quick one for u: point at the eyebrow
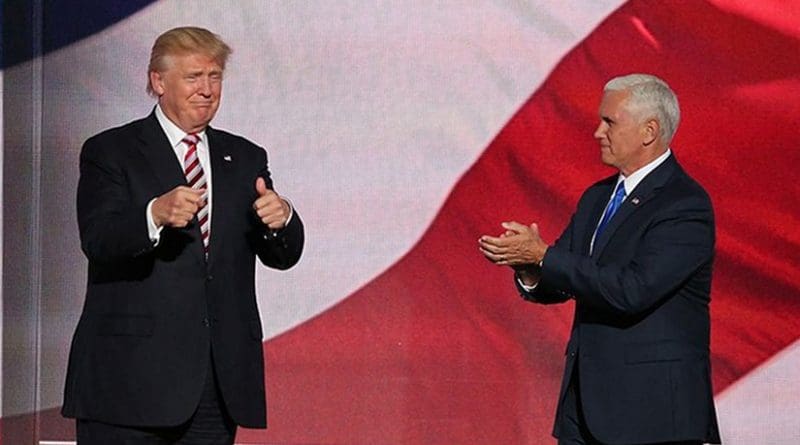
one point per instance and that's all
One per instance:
(202, 71)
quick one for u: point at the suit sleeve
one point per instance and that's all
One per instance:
(279, 249)
(675, 245)
(111, 228)
(544, 292)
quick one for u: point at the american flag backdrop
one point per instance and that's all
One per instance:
(402, 131)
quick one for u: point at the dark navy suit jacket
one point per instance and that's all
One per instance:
(640, 337)
(154, 315)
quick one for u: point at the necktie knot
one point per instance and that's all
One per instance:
(191, 139)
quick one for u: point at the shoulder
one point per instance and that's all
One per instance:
(684, 190)
(115, 140)
(234, 142)
(124, 131)
(603, 184)
(231, 140)
(598, 190)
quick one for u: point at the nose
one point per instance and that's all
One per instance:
(204, 87)
(600, 132)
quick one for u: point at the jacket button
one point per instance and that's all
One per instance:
(209, 277)
(206, 322)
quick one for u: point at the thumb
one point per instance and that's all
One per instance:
(261, 186)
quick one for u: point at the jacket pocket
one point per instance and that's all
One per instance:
(130, 325)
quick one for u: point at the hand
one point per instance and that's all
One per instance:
(177, 207)
(272, 210)
(520, 246)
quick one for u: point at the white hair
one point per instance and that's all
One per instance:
(650, 97)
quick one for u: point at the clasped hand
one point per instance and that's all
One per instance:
(177, 207)
(518, 246)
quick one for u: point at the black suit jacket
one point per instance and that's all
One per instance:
(154, 315)
(640, 337)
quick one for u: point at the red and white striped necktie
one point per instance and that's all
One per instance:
(197, 180)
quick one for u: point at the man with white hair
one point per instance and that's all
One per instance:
(637, 258)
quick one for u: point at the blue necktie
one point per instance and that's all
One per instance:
(613, 206)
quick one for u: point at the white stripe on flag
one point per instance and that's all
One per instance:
(763, 405)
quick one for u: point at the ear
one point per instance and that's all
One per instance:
(157, 82)
(650, 132)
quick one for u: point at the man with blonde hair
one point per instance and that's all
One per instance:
(636, 258)
(172, 214)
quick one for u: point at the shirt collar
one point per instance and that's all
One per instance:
(636, 177)
(173, 132)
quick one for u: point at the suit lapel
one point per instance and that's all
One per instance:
(593, 218)
(222, 177)
(160, 155)
(647, 189)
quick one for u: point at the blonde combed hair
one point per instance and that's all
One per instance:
(182, 41)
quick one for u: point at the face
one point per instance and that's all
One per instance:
(189, 90)
(623, 140)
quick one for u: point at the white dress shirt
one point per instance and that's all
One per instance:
(175, 136)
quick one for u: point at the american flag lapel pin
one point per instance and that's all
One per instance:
(636, 201)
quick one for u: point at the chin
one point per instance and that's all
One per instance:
(203, 119)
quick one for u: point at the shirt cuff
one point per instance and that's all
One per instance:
(153, 231)
(526, 287)
(291, 209)
(273, 233)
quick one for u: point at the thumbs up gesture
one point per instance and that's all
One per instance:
(272, 210)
